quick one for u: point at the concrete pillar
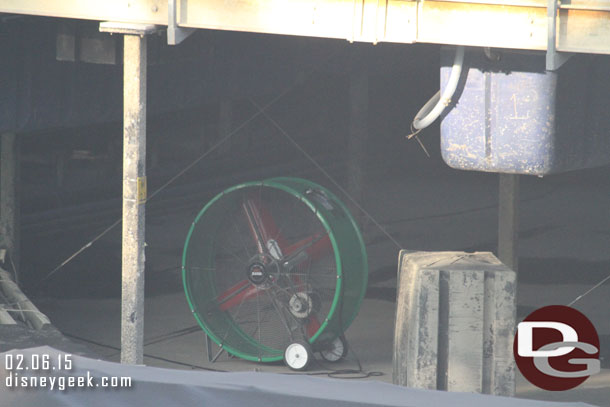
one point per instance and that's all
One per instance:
(358, 126)
(134, 185)
(508, 220)
(9, 198)
(455, 321)
(134, 198)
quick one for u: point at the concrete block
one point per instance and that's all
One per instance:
(455, 320)
(461, 299)
(415, 354)
(500, 310)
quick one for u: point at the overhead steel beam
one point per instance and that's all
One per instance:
(134, 11)
(582, 26)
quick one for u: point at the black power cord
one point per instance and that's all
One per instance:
(103, 345)
(358, 373)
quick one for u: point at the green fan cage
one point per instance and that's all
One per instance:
(271, 262)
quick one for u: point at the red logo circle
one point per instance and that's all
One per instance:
(556, 348)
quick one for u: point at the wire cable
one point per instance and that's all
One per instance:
(348, 374)
(215, 146)
(327, 175)
(581, 296)
(103, 345)
(334, 373)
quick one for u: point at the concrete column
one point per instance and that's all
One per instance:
(134, 198)
(455, 321)
(9, 198)
(508, 220)
(358, 125)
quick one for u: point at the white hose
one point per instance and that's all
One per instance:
(427, 114)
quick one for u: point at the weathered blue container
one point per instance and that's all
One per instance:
(512, 116)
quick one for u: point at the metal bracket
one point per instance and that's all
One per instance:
(208, 348)
(554, 58)
(175, 34)
(113, 27)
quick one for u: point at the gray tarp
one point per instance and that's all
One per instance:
(167, 387)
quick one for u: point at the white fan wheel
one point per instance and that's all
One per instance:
(297, 355)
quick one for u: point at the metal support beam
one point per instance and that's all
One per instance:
(175, 34)
(134, 186)
(508, 220)
(134, 198)
(9, 198)
(113, 27)
(554, 58)
(583, 26)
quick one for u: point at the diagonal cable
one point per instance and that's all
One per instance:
(261, 111)
(331, 179)
(581, 296)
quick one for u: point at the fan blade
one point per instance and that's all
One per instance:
(314, 246)
(308, 249)
(237, 294)
(254, 228)
(262, 225)
(312, 326)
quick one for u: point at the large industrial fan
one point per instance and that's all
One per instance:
(274, 270)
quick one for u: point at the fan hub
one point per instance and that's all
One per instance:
(257, 273)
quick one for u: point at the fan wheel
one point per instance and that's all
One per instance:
(298, 355)
(335, 350)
